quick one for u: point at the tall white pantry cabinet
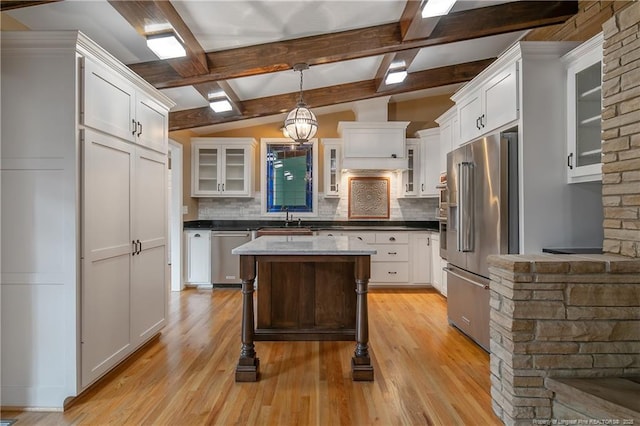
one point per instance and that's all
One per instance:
(84, 230)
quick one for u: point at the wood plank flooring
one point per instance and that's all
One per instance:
(426, 373)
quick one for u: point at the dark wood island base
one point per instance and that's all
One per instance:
(310, 304)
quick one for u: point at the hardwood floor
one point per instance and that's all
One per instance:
(426, 373)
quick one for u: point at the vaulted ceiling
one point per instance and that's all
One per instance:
(248, 48)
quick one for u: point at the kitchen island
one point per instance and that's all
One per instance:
(310, 288)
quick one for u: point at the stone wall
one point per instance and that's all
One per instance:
(559, 316)
(621, 133)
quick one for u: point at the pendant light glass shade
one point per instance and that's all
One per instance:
(301, 124)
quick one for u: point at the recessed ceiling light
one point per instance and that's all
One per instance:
(394, 77)
(437, 8)
(166, 46)
(222, 105)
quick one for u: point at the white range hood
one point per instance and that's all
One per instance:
(372, 142)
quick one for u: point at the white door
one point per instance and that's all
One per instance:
(149, 221)
(151, 126)
(108, 102)
(106, 253)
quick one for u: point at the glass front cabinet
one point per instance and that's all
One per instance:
(332, 166)
(222, 167)
(584, 111)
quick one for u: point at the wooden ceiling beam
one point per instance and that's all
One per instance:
(149, 16)
(206, 89)
(325, 96)
(412, 25)
(364, 42)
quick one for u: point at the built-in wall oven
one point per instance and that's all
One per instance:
(443, 239)
(443, 207)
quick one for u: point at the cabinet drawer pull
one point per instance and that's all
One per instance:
(134, 246)
(133, 126)
(392, 272)
(570, 161)
(482, 120)
(392, 252)
(392, 238)
(197, 235)
(466, 320)
(139, 128)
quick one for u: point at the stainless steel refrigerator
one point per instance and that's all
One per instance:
(482, 183)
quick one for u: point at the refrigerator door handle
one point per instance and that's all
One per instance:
(465, 207)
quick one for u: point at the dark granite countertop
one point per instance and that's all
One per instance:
(378, 225)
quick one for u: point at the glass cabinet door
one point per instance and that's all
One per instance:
(588, 115)
(207, 180)
(584, 111)
(332, 169)
(234, 170)
(410, 176)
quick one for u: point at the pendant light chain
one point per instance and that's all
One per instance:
(301, 124)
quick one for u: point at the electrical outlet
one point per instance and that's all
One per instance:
(185, 209)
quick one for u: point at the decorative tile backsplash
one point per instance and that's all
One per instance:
(328, 208)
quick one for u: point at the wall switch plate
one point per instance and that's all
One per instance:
(185, 209)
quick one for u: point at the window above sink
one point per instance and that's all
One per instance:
(288, 178)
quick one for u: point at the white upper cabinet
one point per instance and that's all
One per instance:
(488, 103)
(332, 166)
(222, 167)
(584, 111)
(410, 177)
(448, 123)
(429, 162)
(373, 145)
(113, 105)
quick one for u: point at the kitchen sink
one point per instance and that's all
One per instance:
(284, 230)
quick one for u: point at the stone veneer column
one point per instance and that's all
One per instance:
(559, 316)
(621, 133)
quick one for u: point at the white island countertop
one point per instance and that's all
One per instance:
(304, 245)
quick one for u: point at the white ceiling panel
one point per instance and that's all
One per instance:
(315, 77)
(463, 51)
(222, 25)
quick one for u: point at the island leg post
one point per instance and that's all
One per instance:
(248, 366)
(361, 368)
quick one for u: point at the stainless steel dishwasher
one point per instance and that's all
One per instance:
(225, 267)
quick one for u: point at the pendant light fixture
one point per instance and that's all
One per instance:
(301, 124)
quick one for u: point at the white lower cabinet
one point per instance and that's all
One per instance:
(402, 258)
(438, 277)
(198, 256)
